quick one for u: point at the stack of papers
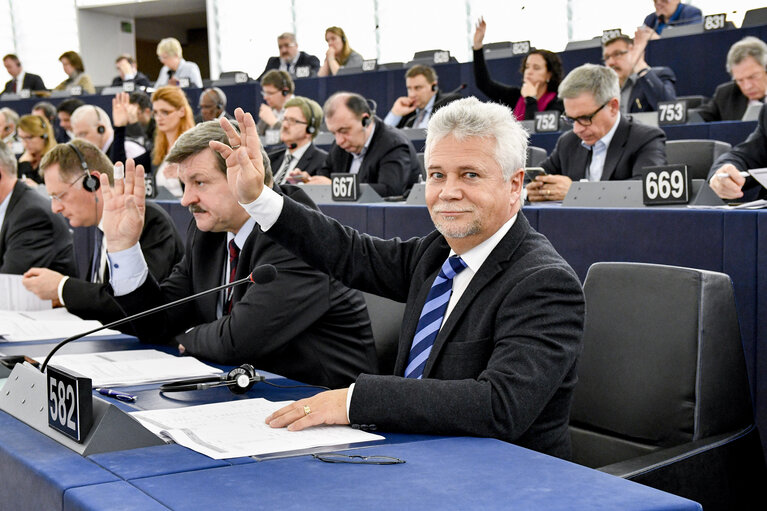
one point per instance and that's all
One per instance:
(40, 325)
(237, 428)
(131, 367)
(15, 297)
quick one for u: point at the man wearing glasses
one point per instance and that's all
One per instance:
(642, 86)
(64, 170)
(30, 235)
(300, 159)
(603, 144)
(276, 88)
(298, 63)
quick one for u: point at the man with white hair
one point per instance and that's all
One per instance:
(92, 123)
(604, 144)
(494, 319)
(747, 64)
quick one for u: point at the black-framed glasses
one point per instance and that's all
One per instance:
(583, 120)
(331, 457)
(614, 55)
(290, 121)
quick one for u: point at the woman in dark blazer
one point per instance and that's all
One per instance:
(541, 71)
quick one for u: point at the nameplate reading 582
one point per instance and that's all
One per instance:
(70, 404)
(669, 184)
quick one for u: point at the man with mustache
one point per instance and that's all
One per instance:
(302, 325)
(88, 296)
(494, 318)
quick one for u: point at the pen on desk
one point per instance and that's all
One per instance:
(120, 396)
(725, 175)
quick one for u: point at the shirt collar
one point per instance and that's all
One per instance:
(4, 208)
(475, 257)
(108, 143)
(299, 151)
(242, 234)
(367, 142)
(430, 105)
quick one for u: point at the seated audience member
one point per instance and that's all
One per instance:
(541, 73)
(64, 113)
(672, 13)
(75, 71)
(47, 110)
(174, 116)
(423, 99)
(604, 145)
(30, 234)
(212, 105)
(725, 178)
(141, 124)
(8, 122)
(300, 158)
(36, 134)
(642, 86)
(339, 53)
(494, 356)
(20, 80)
(302, 325)
(746, 63)
(380, 155)
(297, 63)
(277, 88)
(175, 69)
(128, 72)
(92, 123)
(88, 294)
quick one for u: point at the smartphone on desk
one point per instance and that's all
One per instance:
(532, 172)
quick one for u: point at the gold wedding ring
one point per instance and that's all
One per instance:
(307, 410)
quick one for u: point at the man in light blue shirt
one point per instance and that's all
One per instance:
(423, 99)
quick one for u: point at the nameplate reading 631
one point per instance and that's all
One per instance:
(70, 404)
(344, 187)
(667, 184)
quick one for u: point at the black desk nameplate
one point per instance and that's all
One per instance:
(344, 186)
(70, 403)
(666, 184)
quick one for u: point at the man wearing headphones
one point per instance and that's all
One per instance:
(212, 105)
(92, 123)
(422, 100)
(71, 172)
(30, 235)
(277, 88)
(379, 154)
(300, 158)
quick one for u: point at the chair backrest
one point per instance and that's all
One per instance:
(662, 362)
(698, 155)
(535, 156)
(386, 320)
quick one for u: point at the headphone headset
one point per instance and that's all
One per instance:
(90, 183)
(285, 85)
(44, 128)
(311, 128)
(365, 120)
(434, 87)
(239, 380)
(100, 128)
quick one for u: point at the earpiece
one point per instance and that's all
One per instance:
(100, 129)
(310, 128)
(239, 380)
(434, 87)
(90, 182)
(365, 120)
(44, 128)
(285, 85)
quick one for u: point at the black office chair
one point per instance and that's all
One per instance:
(694, 101)
(663, 396)
(535, 156)
(698, 155)
(420, 157)
(755, 17)
(386, 320)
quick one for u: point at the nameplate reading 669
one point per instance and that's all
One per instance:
(70, 404)
(668, 184)
(344, 187)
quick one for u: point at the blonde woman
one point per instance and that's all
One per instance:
(339, 53)
(36, 133)
(174, 67)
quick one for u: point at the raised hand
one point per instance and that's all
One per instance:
(120, 105)
(244, 164)
(124, 207)
(479, 33)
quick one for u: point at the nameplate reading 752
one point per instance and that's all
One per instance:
(546, 121)
(344, 187)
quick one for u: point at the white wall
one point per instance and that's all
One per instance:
(101, 41)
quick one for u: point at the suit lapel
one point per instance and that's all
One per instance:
(616, 149)
(209, 270)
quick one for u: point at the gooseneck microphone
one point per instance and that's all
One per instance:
(260, 275)
(458, 89)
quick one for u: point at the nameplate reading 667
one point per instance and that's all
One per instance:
(70, 404)
(344, 187)
(669, 184)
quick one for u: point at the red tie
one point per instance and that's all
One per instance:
(15, 87)
(234, 256)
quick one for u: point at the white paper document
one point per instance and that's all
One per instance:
(236, 428)
(17, 326)
(132, 367)
(15, 297)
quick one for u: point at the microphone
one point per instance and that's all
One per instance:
(171, 72)
(292, 146)
(260, 275)
(458, 89)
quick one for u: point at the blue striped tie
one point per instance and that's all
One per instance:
(431, 316)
